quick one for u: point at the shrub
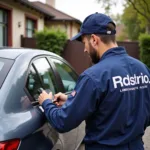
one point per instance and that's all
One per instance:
(51, 40)
(145, 49)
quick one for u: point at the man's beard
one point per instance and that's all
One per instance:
(93, 54)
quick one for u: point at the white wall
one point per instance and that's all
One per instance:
(18, 15)
(76, 29)
(70, 28)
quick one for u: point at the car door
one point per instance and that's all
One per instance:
(68, 77)
(41, 75)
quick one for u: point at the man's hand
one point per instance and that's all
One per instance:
(43, 96)
(60, 99)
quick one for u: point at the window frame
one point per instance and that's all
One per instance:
(9, 24)
(34, 19)
(57, 73)
(33, 101)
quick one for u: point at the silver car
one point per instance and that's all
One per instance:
(23, 125)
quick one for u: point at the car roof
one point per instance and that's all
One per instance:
(13, 53)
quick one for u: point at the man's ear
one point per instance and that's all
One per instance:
(94, 40)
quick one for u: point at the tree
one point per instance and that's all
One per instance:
(144, 48)
(117, 18)
(142, 7)
(132, 23)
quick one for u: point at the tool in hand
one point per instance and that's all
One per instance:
(40, 90)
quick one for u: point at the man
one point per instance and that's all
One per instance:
(112, 96)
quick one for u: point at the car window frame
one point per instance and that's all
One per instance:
(33, 101)
(25, 88)
(58, 76)
(59, 81)
(54, 82)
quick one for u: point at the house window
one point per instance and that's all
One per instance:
(3, 27)
(31, 26)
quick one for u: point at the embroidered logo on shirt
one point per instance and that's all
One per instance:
(73, 93)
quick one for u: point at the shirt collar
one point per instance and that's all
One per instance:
(113, 51)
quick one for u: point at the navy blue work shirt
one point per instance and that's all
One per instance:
(113, 97)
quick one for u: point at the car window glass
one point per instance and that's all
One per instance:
(33, 83)
(5, 66)
(1, 65)
(46, 74)
(68, 76)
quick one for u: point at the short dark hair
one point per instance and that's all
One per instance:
(106, 38)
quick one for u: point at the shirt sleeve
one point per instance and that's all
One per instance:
(78, 107)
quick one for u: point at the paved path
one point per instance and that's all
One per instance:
(146, 139)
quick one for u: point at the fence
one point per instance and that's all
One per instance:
(28, 42)
(132, 48)
(74, 52)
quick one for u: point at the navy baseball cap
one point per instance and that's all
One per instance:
(96, 23)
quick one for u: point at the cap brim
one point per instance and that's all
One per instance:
(77, 37)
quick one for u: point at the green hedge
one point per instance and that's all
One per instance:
(145, 49)
(51, 40)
